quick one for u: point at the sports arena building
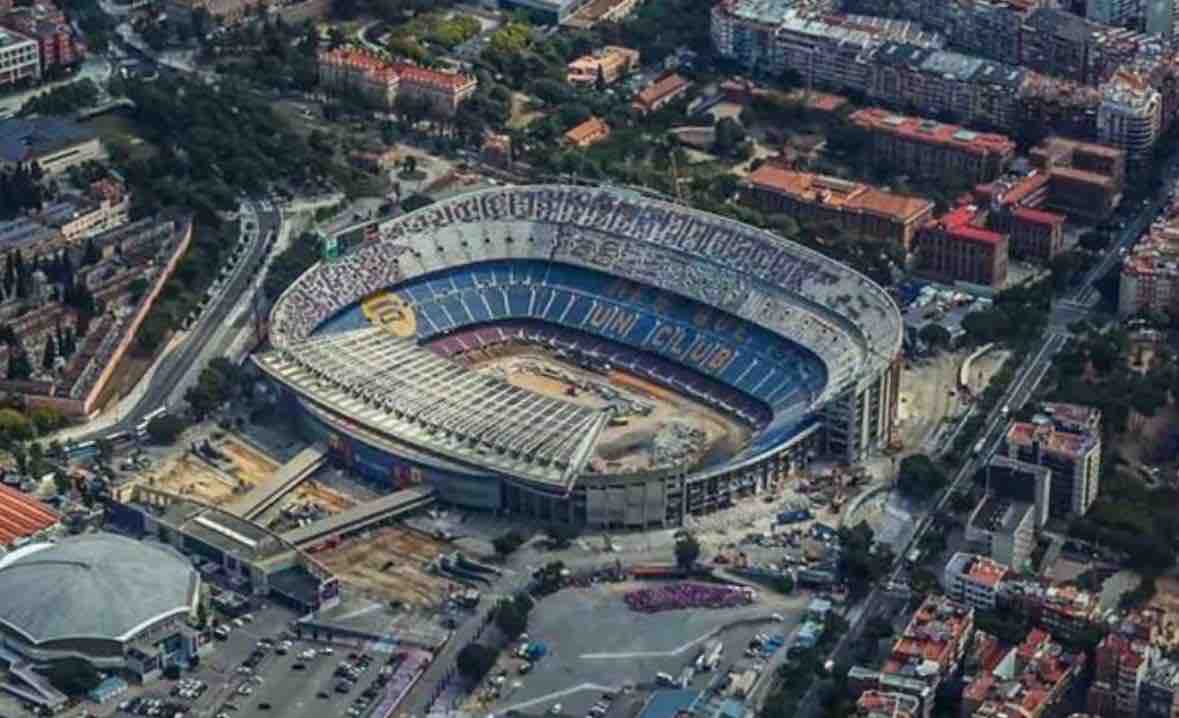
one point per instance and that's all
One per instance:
(120, 604)
(408, 355)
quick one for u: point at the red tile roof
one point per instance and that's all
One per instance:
(1038, 216)
(957, 223)
(22, 515)
(919, 129)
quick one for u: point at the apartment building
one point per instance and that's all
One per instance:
(858, 209)
(1150, 272)
(875, 703)
(1058, 43)
(928, 148)
(1157, 691)
(1004, 530)
(1030, 680)
(1066, 439)
(19, 59)
(973, 580)
(606, 65)
(57, 44)
(932, 646)
(1114, 13)
(1130, 115)
(1120, 664)
(1021, 482)
(957, 247)
(988, 28)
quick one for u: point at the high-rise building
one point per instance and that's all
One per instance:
(1130, 115)
(1115, 13)
(1065, 438)
(1160, 17)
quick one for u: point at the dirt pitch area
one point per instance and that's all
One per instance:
(390, 564)
(654, 427)
(214, 482)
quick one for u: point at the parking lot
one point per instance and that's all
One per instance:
(595, 644)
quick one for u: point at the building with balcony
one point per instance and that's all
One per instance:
(858, 209)
(973, 580)
(57, 44)
(931, 648)
(957, 247)
(19, 59)
(932, 149)
(1120, 665)
(1065, 439)
(1149, 279)
(1130, 115)
(1031, 680)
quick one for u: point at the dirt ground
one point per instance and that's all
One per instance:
(628, 446)
(390, 564)
(215, 483)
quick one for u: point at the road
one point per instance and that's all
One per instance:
(95, 67)
(208, 337)
(1077, 305)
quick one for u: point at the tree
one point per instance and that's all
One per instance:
(919, 477)
(14, 426)
(511, 616)
(507, 543)
(560, 536)
(474, 661)
(687, 550)
(49, 356)
(165, 429)
(935, 336)
(729, 136)
(72, 676)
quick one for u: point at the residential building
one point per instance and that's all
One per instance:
(988, 28)
(973, 580)
(881, 704)
(1085, 179)
(52, 143)
(1160, 17)
(860, 210)
(1148, 280)
(957, 247)
(660, 93)
(19, 59)
(745, 31)
(1031, 680)
(1021, 482)
(1063, 609)
(1120, 664)
(606, 65)
(1130, 115)
(1058, 43)
(443, 92)
(368, 75)
(590, 132)
(1157, 691)
(1115, 13)
(1050, 105)
(931, 648)
(1065, 438)
(1004, 530)
(928, 148)
(57, 44)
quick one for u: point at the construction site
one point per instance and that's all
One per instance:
(215, 472)
(395, 564)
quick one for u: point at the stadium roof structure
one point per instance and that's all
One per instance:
(95, 586)
(412, 395)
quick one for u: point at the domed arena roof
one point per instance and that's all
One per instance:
(96, 586)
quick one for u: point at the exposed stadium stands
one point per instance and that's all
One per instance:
(795, 345)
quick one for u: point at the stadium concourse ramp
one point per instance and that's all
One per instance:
(359, 518)
(289, 475)
(29, 684)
